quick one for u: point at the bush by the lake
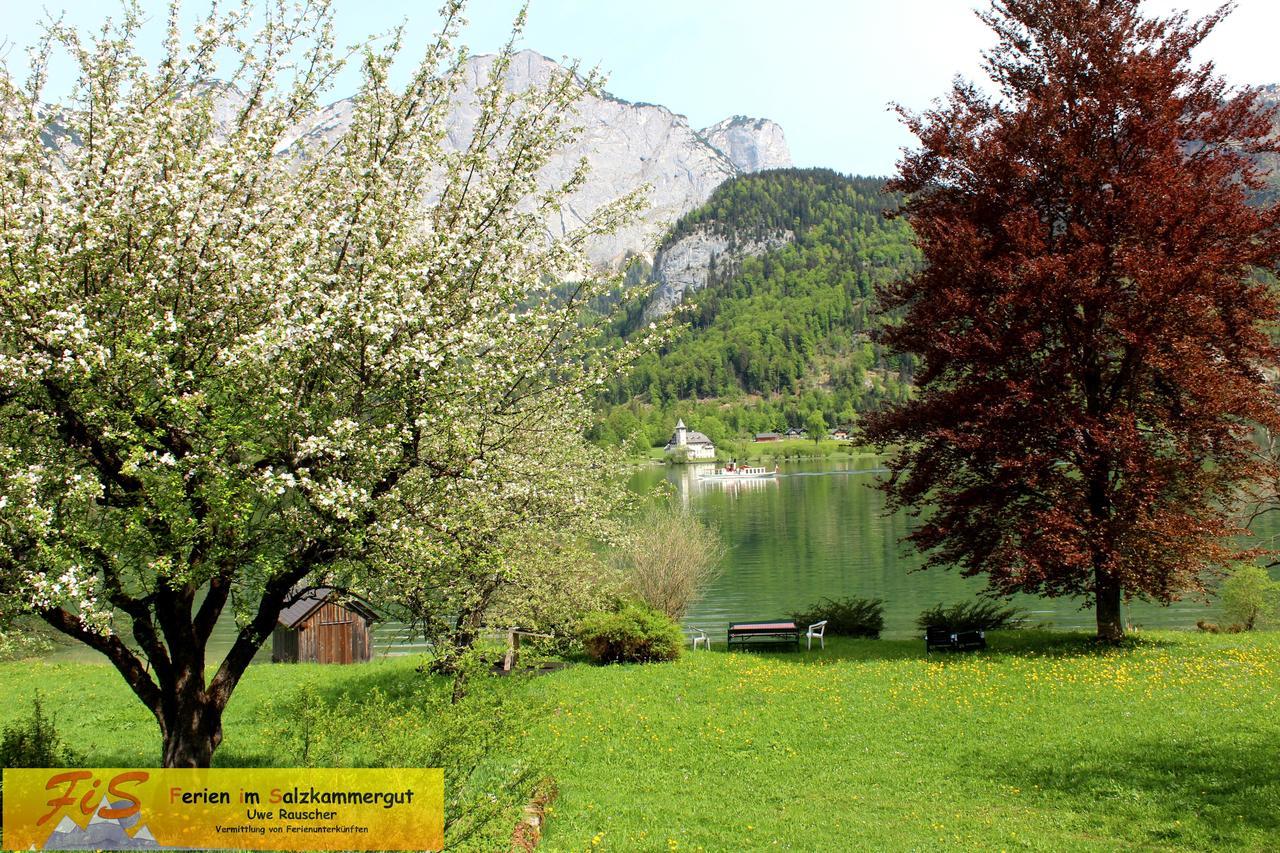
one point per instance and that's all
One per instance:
(635, 633)
(1214, 628)
(570, 580)
(35, 742)
(846, 617)
(1250, 598)
(416, 722)
(21, 639)
(668, 558)
(970, 616)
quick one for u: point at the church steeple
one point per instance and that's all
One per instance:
(681, 433)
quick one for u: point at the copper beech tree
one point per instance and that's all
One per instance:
(1089, 317)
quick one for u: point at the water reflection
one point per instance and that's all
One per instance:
(691, 481)
(819, 531)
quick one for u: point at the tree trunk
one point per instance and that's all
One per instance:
(190, 734)
(172, 684)
(1106, 587)
(467, 629)
(460, 680)
(1107, 593)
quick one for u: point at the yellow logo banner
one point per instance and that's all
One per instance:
(298, 809)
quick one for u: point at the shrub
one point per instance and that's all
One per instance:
(638, 445)
(668, 558)
(571, 581)
(18, 642)
(846, 617)
(634, 634)
(970, 616)
(1250, 597)
(677, 456)
(492, 772)
(35, 742)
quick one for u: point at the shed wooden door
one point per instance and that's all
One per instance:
(334, 630)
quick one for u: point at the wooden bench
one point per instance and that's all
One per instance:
(947, 640)
(764, 633)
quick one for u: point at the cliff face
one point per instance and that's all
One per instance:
(751, 144)
(1269, 96)
(627, 145)
(685, 266)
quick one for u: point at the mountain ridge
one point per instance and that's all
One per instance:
(628, 144)
(778, 299)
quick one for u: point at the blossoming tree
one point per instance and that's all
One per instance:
(232, 359)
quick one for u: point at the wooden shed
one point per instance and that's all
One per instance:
(323, 626)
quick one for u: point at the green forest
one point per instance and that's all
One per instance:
(776, 340)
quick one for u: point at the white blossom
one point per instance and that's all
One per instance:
(229, 351)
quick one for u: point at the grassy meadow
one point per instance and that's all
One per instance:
(1044, 742)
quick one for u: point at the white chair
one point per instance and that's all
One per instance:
(817, 629)
(700, 636)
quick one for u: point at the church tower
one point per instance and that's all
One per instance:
(681, 434)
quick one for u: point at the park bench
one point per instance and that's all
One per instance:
(947, 640)
(778, 632)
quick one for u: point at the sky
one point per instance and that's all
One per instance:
(826, 70)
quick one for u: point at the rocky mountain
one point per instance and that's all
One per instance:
(102, 833)
(627, 144)
(1270, 97)
(684, 267)
(777, 272)
(751, 144)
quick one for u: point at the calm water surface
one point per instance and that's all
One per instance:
(819, 530)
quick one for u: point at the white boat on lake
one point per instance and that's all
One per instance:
(734, 471)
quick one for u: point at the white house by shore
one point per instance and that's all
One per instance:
(695, 444)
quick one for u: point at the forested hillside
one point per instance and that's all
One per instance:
(774, 337)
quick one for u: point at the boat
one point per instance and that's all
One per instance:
(734, 471)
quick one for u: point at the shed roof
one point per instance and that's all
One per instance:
(310, 600)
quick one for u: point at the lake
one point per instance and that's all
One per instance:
(819, 530)
(816, 531)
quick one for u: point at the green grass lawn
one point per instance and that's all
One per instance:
(1043, 742)
(98, 716)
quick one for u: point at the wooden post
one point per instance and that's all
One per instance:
(513, 650)
(513, 647)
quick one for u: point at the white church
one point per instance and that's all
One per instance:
(695, 444)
